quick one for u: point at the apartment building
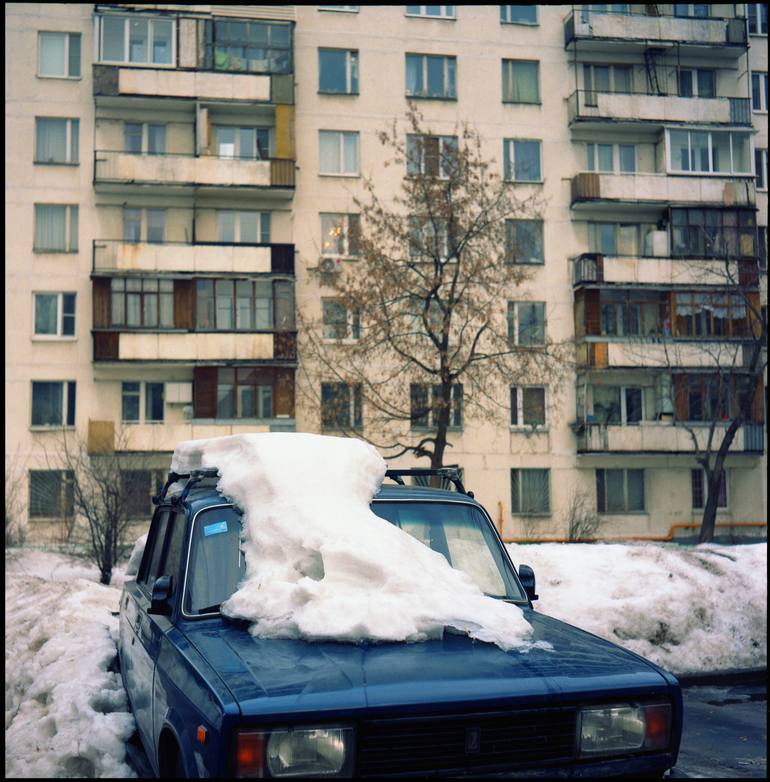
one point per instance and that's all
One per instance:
(177, 175)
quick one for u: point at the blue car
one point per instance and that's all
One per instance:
(210, 700)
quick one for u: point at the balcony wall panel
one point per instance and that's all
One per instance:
(665, 271)
(194, 347)
(656, 437)
(675, 354)
(193, 84)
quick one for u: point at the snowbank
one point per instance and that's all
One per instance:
(66, 713)
(688, 609)
(320, 565)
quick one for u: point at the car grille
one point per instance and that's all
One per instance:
(465, 742)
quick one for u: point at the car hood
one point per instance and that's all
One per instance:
(296, 677)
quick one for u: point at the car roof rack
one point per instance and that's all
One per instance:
(193, 477)
(450, 473)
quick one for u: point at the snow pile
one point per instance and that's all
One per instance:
(320, 565)
(701, 608)
(65, 711)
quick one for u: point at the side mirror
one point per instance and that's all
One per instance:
(161, 594)
(527, 578)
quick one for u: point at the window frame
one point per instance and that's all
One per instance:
(127, 18)
(430, 393)
(237, 147)
(514, 326)
(517, 502)
(508, 65)
(143, 293)
(591, 91)
(505, 11)
(263, 218)
(71, 221)
(710, 172)
(762, 92)
(423, 14)
(66, 503)
(355, 414)
(59, 336)
(593, 158)
(349, 235)
(71, 142)
(757, 18)
(625, 511)
(449, 76)
(68, 406)
(510, 157)
(67, 45)
(622, 389)
(352, 62)
(520, 424)
(418, 156)
(145, 142)
(724, 488)
(352, 322)
(275, 283)
(342, 135)
(346, 9)
(511, 229)
(760, 168)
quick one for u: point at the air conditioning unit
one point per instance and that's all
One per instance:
(329, 265)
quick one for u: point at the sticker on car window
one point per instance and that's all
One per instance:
(215, 529)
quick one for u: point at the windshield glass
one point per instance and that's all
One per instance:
(457, 531)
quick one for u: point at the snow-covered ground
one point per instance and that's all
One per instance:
(690, 609)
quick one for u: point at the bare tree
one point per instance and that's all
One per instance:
(15, 531)
(417, 331)
(580, 517)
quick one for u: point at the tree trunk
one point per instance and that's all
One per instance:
(714, 477)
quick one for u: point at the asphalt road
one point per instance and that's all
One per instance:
(725, 732)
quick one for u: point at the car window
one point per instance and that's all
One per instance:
(175, 537)
(216, 563)
(148, 571)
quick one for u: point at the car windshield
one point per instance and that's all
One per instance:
(457, 531)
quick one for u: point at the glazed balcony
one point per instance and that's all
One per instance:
(723, 38)
(119, 171)
(664, 437)
(110, 256)
(593, 110)
(596, 191)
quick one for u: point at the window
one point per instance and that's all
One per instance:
(155, 225)
(700, 10)
(338, 71)
(521, 160)
(524, 241)
(252, 47)
(699, 484)
(144, 138)
(51, 494)
(338, 152)
(518, 14)
(353, 9)
(131, 395)
(56, 140)
(618, 405)
(757, 13)
(425, 413)
(760, 168)
(526, 323)
(56, 228)
(627, 239)
(713, 233)
(142, 302)
(245, 143)
(696, 83)
(237, 227)
(431, 155)
(521, 81)
(431, 76)
(704, 315)
(137, 488)
(611, 157)
(139, 39)
(603, 8)
(759, 91)
(244, 392)
(54, 314)
(432, 11)
(709, 151)
(632, 313)
(428, 239)
(244, 305)
(53, 403)
(620, 491)
(341, 406)
(339, 235)
(528, 406)
(606, 78)
(530, 492)
(59, 55)
(338, 321)
(705, 397)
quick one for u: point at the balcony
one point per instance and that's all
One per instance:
(593, 110)
(120, 256)
(607, 192)
(175, 347)
(640, 353)
(714, 37)
(118, 171)
(664, 437)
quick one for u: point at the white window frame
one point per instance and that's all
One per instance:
(690, 130)
(520, 425)
(58, 336)
(705, 488)
(70, 136)
(761, 173)
(763, 96)
(65, 477)
(144, 224)
(757, 18)
(261, 216)
(347, 9)
(66, 55)
(427, 231)
(352, 324)
(514, 343)
(624, 405)
(625, 511)
(505, 12)
(351, 69)
(237, 143)
(593, 164)
(68, 238)
(143, 403)
(445, 144)
(694, 76)
(64, 407)
(423, 13)
(345, 234)
(341, 136)
(424, 68)
(509, 155)
(99, 42)
(145, 137)
(520, 512)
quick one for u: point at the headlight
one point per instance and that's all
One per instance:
(610, 730)
(295, 752)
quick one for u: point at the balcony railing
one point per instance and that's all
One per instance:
(115, 167)
(726, 36)
(663, 189)
(587, 106)
(117, 255)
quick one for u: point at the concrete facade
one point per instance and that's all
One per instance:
(202, 186)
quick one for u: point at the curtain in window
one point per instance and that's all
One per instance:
(530, 491)
(284, 305)
(413, 74)
(45, 313)
(520, 80)
(47, 404)
(51, 141)
(52, 48)
(50, 227)
(526, 161)
(329, 151)
(351, 152)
